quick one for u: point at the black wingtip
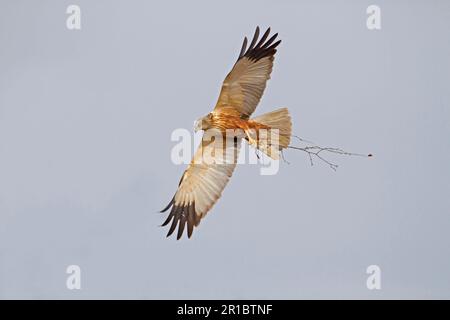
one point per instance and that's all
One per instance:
(182, 217)
(260, 47)
(168, 206)
(181, 225)
(176, 210)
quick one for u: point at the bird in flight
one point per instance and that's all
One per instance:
(202, 183)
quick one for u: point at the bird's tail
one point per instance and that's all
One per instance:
(275, 140)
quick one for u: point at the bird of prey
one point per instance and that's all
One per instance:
(202, 183)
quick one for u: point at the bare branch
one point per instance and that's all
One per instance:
(284, 159)
(314, 151)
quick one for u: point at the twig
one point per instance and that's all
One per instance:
(284, 159)
(301, 139)
(315, 151)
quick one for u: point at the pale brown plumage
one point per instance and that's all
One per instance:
(202, 184)
(244, 85)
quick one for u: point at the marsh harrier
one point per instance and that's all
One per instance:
(202, 183)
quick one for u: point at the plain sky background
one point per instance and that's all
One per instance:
(85, 124)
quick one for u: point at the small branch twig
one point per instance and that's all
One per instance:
(284, 159)
(314, 151)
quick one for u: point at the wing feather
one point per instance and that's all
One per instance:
(244, 86)
(200, 187)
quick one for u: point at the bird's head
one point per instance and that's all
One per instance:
(203, 123)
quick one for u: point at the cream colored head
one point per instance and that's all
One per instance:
(203, 123)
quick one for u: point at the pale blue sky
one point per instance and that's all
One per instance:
(85, 124)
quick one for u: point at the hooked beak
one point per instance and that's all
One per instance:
(197, 126)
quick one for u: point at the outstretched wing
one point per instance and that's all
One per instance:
(201, 185)
(244, 85)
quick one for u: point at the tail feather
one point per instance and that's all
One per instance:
(278, 119)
